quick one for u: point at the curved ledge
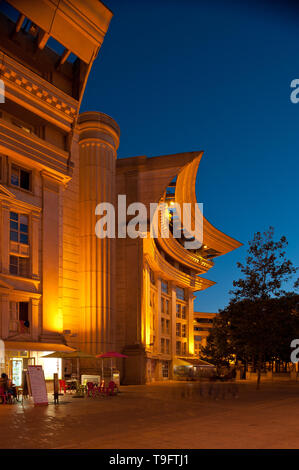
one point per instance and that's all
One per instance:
(185, 192)
(159, 264)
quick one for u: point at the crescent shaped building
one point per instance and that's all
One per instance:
(62, 287)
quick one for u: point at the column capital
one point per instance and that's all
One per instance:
(96, 128)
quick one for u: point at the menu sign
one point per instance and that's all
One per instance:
(38, 385)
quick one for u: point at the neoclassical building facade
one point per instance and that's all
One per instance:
(62, 287)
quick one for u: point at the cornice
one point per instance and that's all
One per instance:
(95, 126)
(35, 93)
(46, 156)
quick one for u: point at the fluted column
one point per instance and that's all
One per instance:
(98, 143)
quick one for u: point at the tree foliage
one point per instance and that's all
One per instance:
(261, 319)
(266, 268)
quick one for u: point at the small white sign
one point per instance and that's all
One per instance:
(38, 385)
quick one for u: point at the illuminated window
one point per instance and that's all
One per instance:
(20, 177)
(19, 228)
(165, 305)
(19, 266)
(165, 369)
(180, 293)
(19, 317)
(152, 277)
(164, 287)
(178, 310)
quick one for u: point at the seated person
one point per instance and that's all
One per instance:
(4, 382)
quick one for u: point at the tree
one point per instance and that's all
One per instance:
(254, 330)
(266, 268)
(252, 324)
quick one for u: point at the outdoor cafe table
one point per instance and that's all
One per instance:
(73, 383)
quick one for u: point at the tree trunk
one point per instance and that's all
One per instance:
(259, 369)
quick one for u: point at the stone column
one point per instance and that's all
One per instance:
(34, 247)
(4, 305)
(51, 243)
(5, 238)
(98, 143)
(35, 326)
(190, 324)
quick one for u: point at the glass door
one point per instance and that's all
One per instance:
(17, 367)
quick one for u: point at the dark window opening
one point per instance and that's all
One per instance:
(20, 178)
(23, 311)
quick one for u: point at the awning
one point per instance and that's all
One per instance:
(200, 363)
(180, 362)
(31, 346)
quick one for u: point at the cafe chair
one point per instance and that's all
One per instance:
(63, 386)
(3, 395)
(90, 389)
(111, 389)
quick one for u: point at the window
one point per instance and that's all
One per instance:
(20, 177)
(167, 327)
(162, 325)
(183, 311)
(178, 329)
(180, 293)
(19, 266)
(19, 228)
(178, 347)
(164, 287)
(184, 348)
(178, 310)
(164, 305)
(167, 343)
(19, 317)
(152, 277)
(22, 126)
(165, 369)
(184, 330)
(162, 345)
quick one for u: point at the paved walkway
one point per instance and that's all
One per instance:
(157, 416)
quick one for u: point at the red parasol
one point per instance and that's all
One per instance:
(111, 354)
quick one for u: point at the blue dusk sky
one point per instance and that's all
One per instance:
(208, 75)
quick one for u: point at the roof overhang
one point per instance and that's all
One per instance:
(32, 346)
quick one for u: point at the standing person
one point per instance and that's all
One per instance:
(4, 382)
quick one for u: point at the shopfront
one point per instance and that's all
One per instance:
(19, 355)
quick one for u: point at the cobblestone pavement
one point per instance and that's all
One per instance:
(174, 415)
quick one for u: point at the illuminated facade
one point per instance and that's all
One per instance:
(203, 322)
(47, 50)
(157, 277)
(60, 285)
